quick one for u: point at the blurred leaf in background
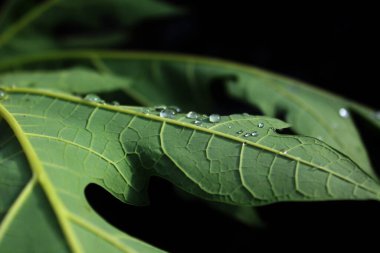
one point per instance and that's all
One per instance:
(30, 26)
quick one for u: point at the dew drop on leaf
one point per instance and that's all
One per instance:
(146, 111)
(3, 95)
(167, 113)
(239, 132)
(197, 122)
(192, 115)
(261, 125)
(254, 134)
(115, 103)
(214, 118)
(229, 127)
(94, 98)
(245, 114)
(247, 134)
(343, 112)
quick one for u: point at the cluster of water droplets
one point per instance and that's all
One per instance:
(165, 111)
(170, 112)
(248, 133)
(203, 118)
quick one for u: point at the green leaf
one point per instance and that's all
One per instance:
(92, 23)
(78, 80)
(187, 81)
(67, 143)
(43, 207)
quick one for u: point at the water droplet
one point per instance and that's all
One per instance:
(320, 138)
(247, 134)
(94, 98)
(261, 125)
(159, 108)
(167, 113)
(229, 127)
(3, 95)
(239, 132)
(197, 122)
(146, 110)
(214, 118)
(245, 114)
(175, 108)
(285, 152)
(254, 134)
(344, 113)
(115, 103)
(192, 115)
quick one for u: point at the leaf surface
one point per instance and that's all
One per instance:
(43, 206)
(67, 143)
(189, 82)
(76, 80)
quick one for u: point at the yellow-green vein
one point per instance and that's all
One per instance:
(16, 206)
(175, 122)
(38, 171)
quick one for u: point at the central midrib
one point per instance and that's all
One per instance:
(75, 99)
(188, 59)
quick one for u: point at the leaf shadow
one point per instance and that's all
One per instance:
(370, 136)
(174, 223)
(322, 224)
(226, 104)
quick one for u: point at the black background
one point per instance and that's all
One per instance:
(333, 47)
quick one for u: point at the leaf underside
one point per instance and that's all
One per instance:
(67, 143)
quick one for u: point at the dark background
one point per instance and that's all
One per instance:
(335, 48)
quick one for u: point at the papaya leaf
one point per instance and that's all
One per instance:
(187, 81)
(84, 81)
(57, 144)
